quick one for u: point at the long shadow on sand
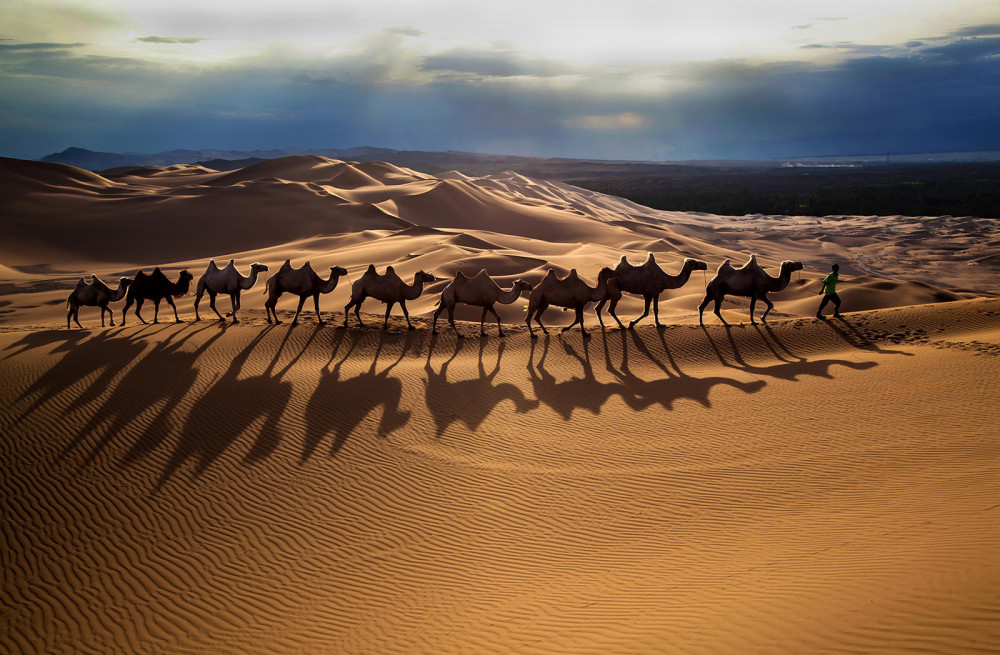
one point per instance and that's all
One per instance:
(237, 402)
(469, 401)
(147, 393)
(674, 386)
(788, 369)
(854, 338)
(339, 405)
(100, 359)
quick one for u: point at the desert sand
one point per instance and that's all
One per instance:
(802, 486)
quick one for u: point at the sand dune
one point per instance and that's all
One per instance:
(802, 486)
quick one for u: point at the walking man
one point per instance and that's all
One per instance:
(829, 292)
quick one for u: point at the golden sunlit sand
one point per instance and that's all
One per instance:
(801, 486)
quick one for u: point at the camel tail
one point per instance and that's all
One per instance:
(264, 292)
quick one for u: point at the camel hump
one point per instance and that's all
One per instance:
(389, 270)
(572, 273)
(232, 262)
(651, 258)
(623, 260)
(80, 283)
(482, 273)
(212, 266)
(370, 269)
(459, 275)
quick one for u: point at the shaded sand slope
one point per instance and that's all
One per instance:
(809, 486)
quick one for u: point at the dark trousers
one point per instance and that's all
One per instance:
(827, 298)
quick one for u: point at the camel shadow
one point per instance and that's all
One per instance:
(469, 401)
(94, 362)
(241, 401)
(787, 369)
(155, 384)
(574, 393)
(339, 405)
(65, 340)
(673, 386)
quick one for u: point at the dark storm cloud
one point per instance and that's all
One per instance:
(167, 39)
(935, 93)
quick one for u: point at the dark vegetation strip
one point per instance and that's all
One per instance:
(911, 190)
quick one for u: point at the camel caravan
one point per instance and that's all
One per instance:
(646, 280)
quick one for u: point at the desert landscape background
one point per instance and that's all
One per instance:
(795, 486)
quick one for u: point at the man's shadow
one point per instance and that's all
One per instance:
(786, 370)
(472, 400)
(339, 405)
(854, 338)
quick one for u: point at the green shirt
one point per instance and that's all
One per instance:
(830, 284)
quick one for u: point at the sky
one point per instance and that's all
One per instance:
(629, 79)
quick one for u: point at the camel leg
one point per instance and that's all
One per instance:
(614, 314)
(701, 309)
(211, 303)
(538, 316)
(170, 301)
(388, 308)
(770, 306)
(74, 311)
(103, 309)
(579, 319)
(156, 311)
(527, 319)
(269, 309)
(598, 309)
(451, 321)
(645, 313)
(234, 298)
(718, 306)
(111, 316)
(499, 326)
(437, 312)
(302, 301)
(402, 303)
(753, 303)
(656, 311)
(319, 317)
(138, 308)
(482, 322)
(197, 299)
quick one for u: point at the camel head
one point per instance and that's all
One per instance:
(605, 274)
(125, 281)
(422, 277)
(258, 268)
(791, 266)
(695, 264)
(338, 271)
(184, 280)
(523, 286)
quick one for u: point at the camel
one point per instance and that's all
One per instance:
(226, 280)
(647, 280)
(156, 287)
(303, 282)
(570, 292)
(388, 288)
(750, 281)
(95, 294)
(481, 291)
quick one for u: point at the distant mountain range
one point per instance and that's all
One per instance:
(469, 163)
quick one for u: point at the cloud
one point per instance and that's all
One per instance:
(804, 26)
(38, 46)
(494, 63)
(167, 39)
(992, 29)
(626, 120)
